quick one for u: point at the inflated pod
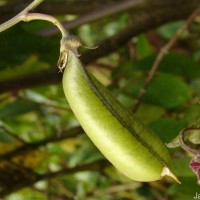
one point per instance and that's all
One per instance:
(122, 138)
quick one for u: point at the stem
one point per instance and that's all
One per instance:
(33, 177)
(20, 16)
(38, 16)
(71, 133)
(27, 17)
(33, 5)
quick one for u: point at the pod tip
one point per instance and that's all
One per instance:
(167, 172)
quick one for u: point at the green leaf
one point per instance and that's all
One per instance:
(181, 167)
(31, 65)
(170, 29)
(184, 191)
(127, 70)
(167, 128)
(173, 63)
(43, 100)
(126, 100)
(166, 90)
(191, 114)
(174, 143)
(196, 86)
(5, 137)
(148, 113)
(144, 48)
(16, 108)
(86, 153)
(195, 137)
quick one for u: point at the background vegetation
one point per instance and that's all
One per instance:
(44, 153)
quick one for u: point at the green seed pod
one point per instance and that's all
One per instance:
(122, 138)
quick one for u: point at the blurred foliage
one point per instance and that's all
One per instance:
(33, 115)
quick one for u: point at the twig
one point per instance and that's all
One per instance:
(55, 196)
(38, 16)
(61, 7)
(20, 16)
(73, 132)
(160, 56)
(27, 17)
(118, 188)
(95, 15)
(96, 165)
(11, 134)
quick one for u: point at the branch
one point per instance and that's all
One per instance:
(53, 195)
(34, 177)
(97, 14)
(20, 16)
(160, 56)
(94, 166)
(73, 132)
(54, 7)
(116, 189)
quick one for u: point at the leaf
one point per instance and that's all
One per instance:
(195, 137)
(184, 191)
(172, 63)
(154, 112)
(127, 70)
(170, 29)
(125, 100)
(5, 137)
(166, 90)
(195, 83)
(174, 143)
(41, 99)
(191, 114)
(144, 48)
(32, 64)
(86, 153)
(30, 159)
(70, 145)
(181, 167)
(167, 128)
(10, 145)
(16, 108)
